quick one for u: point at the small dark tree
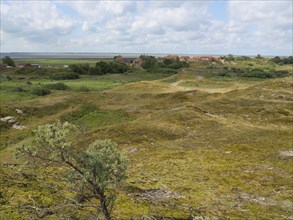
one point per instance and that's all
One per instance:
(8, 60)
(276, 59)
(229, 57)
(96, 171)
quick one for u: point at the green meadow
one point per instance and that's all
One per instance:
(204, 143)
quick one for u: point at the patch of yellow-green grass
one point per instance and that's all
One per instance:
(56, 62)
(190, 152)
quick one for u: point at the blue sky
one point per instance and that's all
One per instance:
(185, 27)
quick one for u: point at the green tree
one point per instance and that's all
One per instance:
(229, 57)
(119, 67)
(258, 56)
(148, 62)
(276, 59)
(79, 68)
(96, 171)
(104, 66)
(8, 60)
(95, 71)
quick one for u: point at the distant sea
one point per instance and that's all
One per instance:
(26, 55)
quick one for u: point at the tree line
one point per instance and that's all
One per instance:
(100, 68)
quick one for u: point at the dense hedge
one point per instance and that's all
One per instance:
(100, 68)
(251, 72)
(64, 76)
(150, 62)
(162, 70)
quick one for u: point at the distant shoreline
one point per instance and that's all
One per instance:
(49, 55)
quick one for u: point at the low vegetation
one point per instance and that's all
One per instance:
(210, 140)
(64, 76)
(40, 91)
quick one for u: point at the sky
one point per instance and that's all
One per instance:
(178, 27)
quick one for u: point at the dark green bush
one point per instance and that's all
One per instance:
(18, 89)
(148, 62)
(162, 70)
(257, 73)
(119, 67)
(175, 65)
(223, 72)
(280, 73)
(64, 76)
(236, 70)
(4, 126)
(40, 91)
(104, 67)
(80, 68)
(95, 71)
(283, 60)
(57, 86)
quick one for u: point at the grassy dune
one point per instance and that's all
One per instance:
(198, 145)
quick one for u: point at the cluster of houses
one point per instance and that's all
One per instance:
(138, 61)
(21, 65)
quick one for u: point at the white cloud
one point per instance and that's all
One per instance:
(141, 25)
(147, 26)
(265, 25)
(34, 21)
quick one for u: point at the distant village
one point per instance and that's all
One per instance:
(21, 65)
(136, 61)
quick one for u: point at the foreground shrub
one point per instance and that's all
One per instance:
(40, 91)
(94, 172)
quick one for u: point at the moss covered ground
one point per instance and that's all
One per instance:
(199, 145)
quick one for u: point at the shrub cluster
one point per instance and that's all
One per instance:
(251, 72)
(80, 69)
(35, 71)
(168, 66)
(257, 73)
(173, 63)
(64, 76)
(284, 60)
(57, 86)
(162, 70)
(148, 62)
(100, 68)
(103, 67)
(40, 91)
